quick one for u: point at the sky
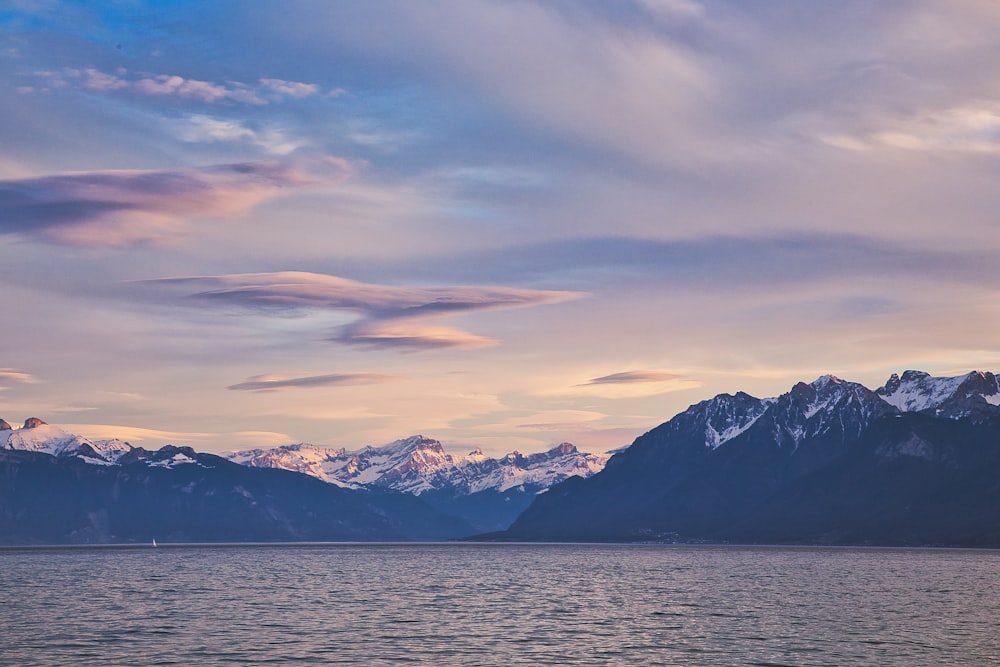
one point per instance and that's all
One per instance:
(498, 224)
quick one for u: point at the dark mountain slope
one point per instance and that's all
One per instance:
(176, 494)
(829, 462)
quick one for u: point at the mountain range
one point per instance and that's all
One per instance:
(916, 461)
(59, 488)
(409, 489)
(487, 492)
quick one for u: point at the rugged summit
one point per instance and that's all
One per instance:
(915, 462)
(486, 491)
(448, 496)
(419, 465)
(60, 488)
(975, 395)
(37, 436)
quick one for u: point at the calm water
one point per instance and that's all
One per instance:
(460, 604)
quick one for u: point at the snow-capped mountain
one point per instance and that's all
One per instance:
(37, 436)
(810, 410)
(178, 495)
(975, 394)
(418, 465)
(828, 461)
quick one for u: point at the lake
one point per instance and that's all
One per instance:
(498, 604)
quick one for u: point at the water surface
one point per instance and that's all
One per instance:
(498, 604)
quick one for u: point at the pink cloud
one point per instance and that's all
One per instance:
(15, 375)
(119, 208)
(391, 316)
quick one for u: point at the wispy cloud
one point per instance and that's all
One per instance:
(276, 383)
(626, 90)
(391, 316)
(627, 384)
(178, 87)
(119, 208)
(632, 377)
(199, 128)
(290, 88)
(733, 261)
(14, 375)
(971, 128)
(153, 438)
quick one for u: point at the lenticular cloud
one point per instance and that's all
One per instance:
(390, 316)
(129, 207)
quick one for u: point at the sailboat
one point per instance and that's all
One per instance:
(154, 541)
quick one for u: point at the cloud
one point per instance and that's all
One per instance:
(275, 383)
(290, 88)
(375, 334)
(179, 87)
(971, 128)
(120, 208)
(153, 438)
(15, 375)
(391, 317)
(157, 85)
(624, 89)
(733, 262)
(198, 128)
(632, 377)
(628, 384)
(173, 85)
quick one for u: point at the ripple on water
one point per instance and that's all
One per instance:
(466, 604)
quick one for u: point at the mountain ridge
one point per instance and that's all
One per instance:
(486, 493)
(915, 461)
(776, 478)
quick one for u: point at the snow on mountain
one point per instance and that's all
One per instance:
(728, 416)
(973, 394)
(417, 465)
(111, 450)
(38, 436)
(830, 404)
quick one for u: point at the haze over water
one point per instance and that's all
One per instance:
(470, 604)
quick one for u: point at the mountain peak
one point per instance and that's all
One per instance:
(33, 422)
(5, 426)
(824, 381)
(418, 464)
(974, 394)
(415, 442)
(563, 448)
